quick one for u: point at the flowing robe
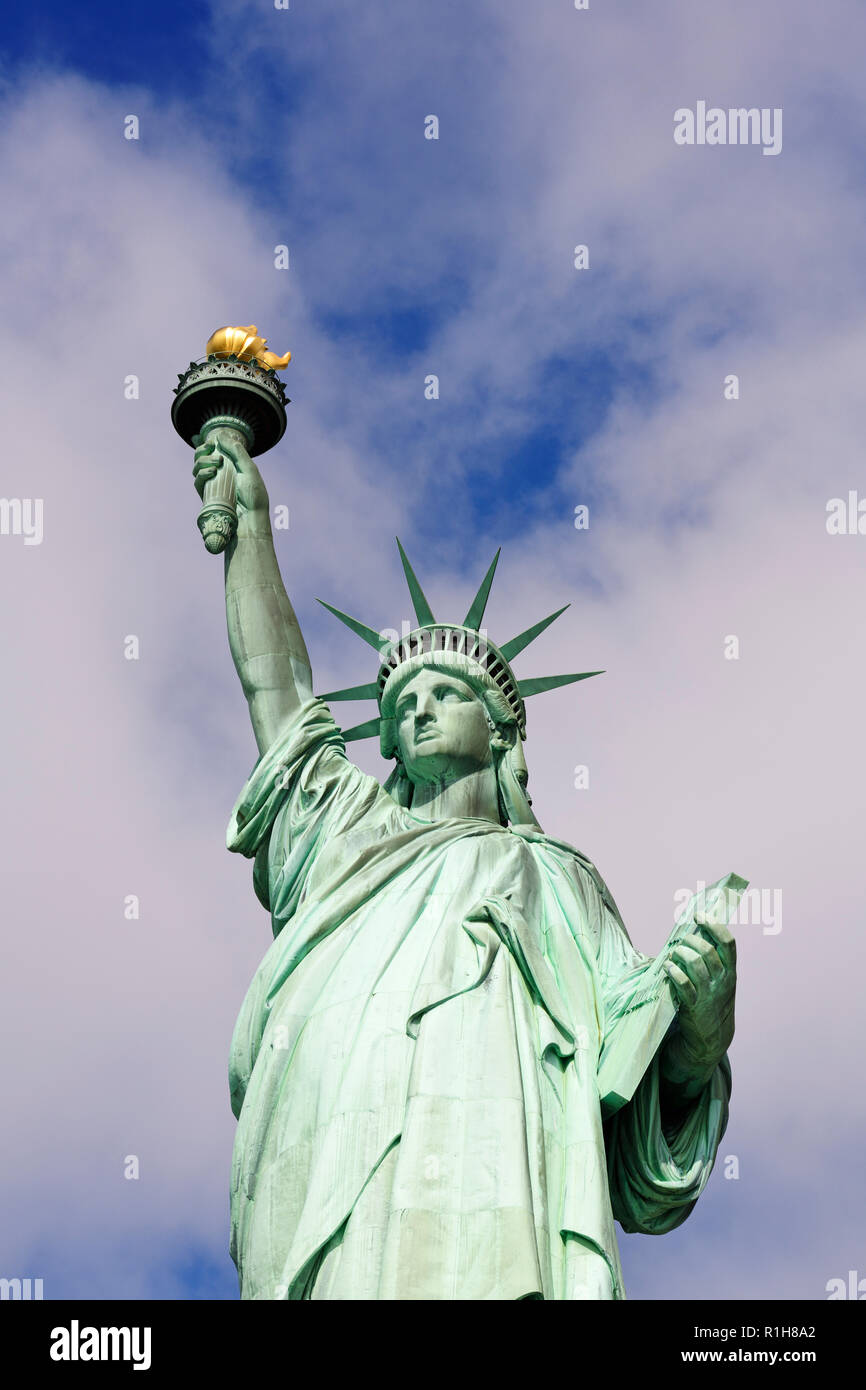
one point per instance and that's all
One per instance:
(414, 1066)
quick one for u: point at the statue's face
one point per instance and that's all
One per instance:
(442, 727)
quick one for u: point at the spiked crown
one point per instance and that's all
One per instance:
(434, 642)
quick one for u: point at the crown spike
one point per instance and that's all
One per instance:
(479, 603)
(360, 629)
(423, 611)
(516, 644)
(536, 685)
(367, 730)
(354, 692)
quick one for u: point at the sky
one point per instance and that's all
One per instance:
(724, 735)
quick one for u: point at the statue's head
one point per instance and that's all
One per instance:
(449, 702)
(442, 727)
(443, 716)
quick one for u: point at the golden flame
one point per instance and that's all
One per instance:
(247, 346)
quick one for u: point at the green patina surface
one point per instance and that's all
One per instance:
(452, 1072)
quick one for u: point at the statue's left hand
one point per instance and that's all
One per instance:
(702, 969)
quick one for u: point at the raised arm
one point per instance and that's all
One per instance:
(265, 640)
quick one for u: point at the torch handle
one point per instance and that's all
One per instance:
(218, 518)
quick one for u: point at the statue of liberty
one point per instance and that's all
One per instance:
(417, 1068)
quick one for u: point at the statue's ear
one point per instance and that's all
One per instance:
(502, 737)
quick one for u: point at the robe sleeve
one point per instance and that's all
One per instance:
(657, 1170)
(302, 792)
(657, 1165)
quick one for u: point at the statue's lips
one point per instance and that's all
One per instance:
(427, 734)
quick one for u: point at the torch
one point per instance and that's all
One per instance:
(234, 387)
